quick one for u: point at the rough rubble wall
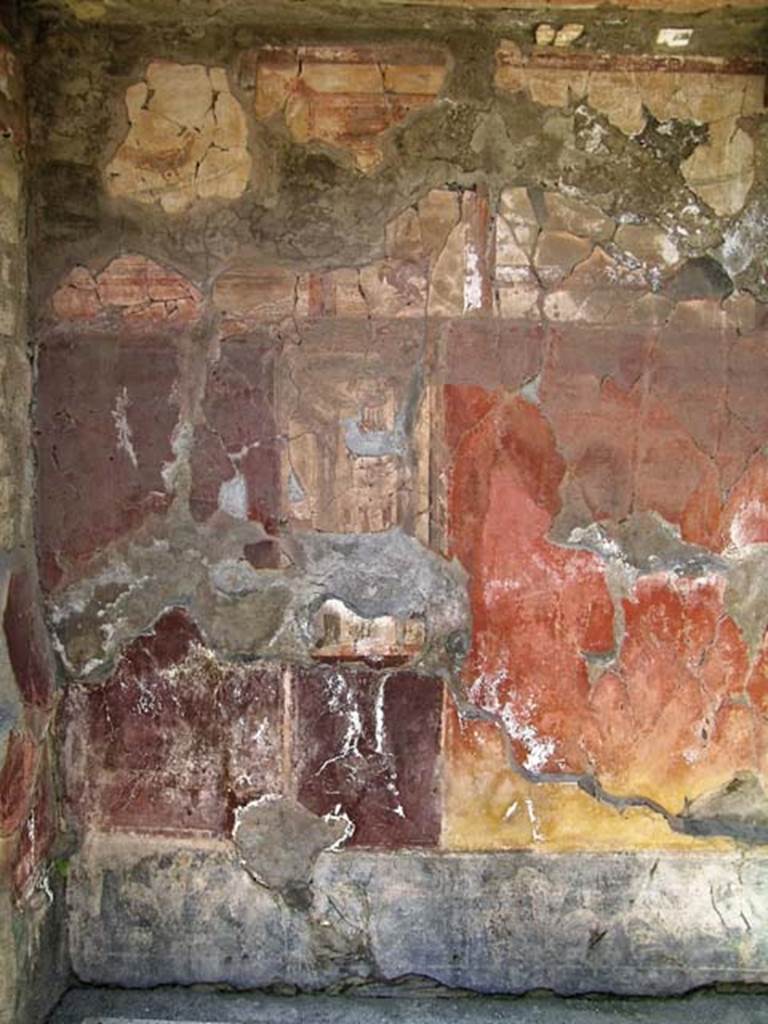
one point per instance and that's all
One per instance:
(400, 442)
(32, 960)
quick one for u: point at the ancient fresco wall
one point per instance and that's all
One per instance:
(400, 447)
(32, 960)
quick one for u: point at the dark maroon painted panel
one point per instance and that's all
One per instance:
(174, 740)
(106, 412)
(239, 435)
(366, 745)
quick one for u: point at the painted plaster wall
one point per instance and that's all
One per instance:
(400, 436)
(32, 953)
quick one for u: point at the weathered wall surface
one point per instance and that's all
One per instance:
(401, 480)
(32, 958)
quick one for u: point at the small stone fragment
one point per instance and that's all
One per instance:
(699, 278)
(557, 253)
(342, 635)
(675, 38)
(648, 243)
(567, 214)
(545, 34)
(568, 34)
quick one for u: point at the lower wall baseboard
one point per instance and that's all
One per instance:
(147, 911)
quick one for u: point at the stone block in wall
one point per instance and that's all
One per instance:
(187, 139)
(346, 97)
(649, 923)
(366, 748)
(174, 739)
(106, 411)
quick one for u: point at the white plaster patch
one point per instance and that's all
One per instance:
(233, 497)
(485, 692)
(234, 576)
(536, 832)
(340, 817)
(675, 38)
(739, 532)
(743, 239)
(341, 700)
(378, 713)
(473, 281)
(499, 587)
(123, 427)
(181, 446)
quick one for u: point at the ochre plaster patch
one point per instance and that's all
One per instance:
(187, 139)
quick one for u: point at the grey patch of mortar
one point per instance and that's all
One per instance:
(647, 543)
(295, 490)
(388, 573)
(744, 238)
(746, 594)
(530, 391)
(233, 576)
(244, 612)
(376, 443)
(278, 841)
(739, 808)
(699, 278)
